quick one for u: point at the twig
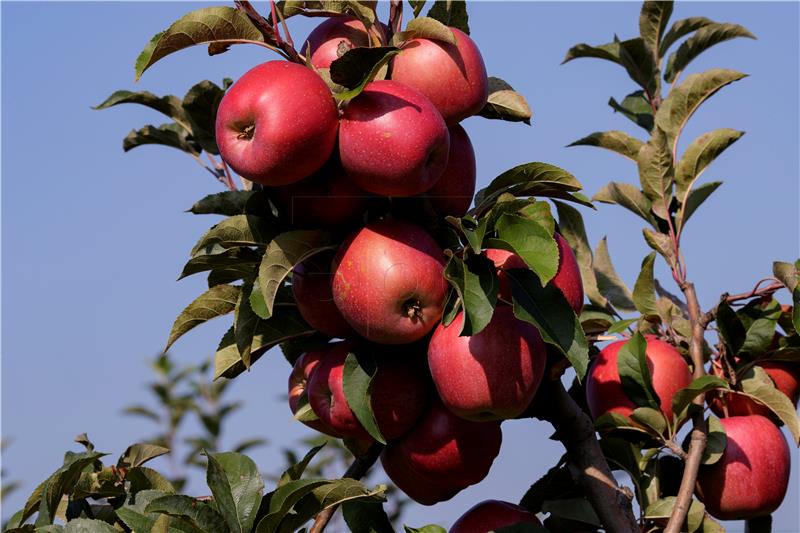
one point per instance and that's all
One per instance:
(757, 292)
(357, 470)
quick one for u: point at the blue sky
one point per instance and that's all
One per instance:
(93, 239)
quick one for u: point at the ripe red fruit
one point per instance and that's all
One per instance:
(399, 395)
(298, 386)
(392, 141)
(441, 455)
(277, 124)
(604, 391)
(783, 374)
(453, 77)
(490, 515)
(493, 375)
(388, 281)
(751, 477)
(567, 278)
(325, 39)
(452, 194)
(311, 286)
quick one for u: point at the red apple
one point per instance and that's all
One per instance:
(277, 124)
(453, 77)
(567, 278)
(298, 387)
(324, 41)
(388, 281)
(489, 376)
(392, 141)
(490, 515)
(604, 391)
(452, 194)
(441, 455)
(311, 286)
(751, 477)
(399, 395)
(783, 374)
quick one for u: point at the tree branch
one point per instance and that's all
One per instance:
(357, 470)
(757, 292)
(587, 464)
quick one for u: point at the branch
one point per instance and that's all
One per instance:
(757, 292)
(587, 464)
(357, 470)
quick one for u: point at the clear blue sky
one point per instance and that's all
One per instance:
(93, 239)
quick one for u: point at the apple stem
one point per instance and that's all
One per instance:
(413, 309)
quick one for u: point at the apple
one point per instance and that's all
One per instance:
(324, 41)
(399, 394)
(388, 281)
(392, 141)
(567, 278)
(442, 455)
(493, 375)
(452, 194)
(298, 387)
(311, 286)
(751, 477)
(604, 391)
(490, 515)
(277, 124)
(783, 374)
(453, 77)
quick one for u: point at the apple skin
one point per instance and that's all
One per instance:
(567, 278)
(311, 286)
(324, 40)
(392, 141)
(604, 391)
(388, 281)
(493, 375)
(783, 374)
(277, 124)
(301, 373)
(452, 194)
(490, 515)
(751, 477)
(400, 395)
(442, 455)
(453, 77)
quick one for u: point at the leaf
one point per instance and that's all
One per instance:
(235, 231)
(757, 384)
(761, 329)
(636, 108)
(699, 154)
(168, 105)
(656, 173)
(283, 253)
(634, 373)
(504, 103)
(295, 472)
(682, 400)
(662, 509)
(236, 485)
(172, 135)
(571, 227)
(430, 528)
(715, 442)
(472, 230)
(357, 377)
(621, 325)
(528, 179)
(633, 55)
(359, 66)
(679, 29)
(695, 198)
(196, 512)
(200, 108)
(661, 243)
(578, 509)
(644, 295)
(216, 301)
(653, 20)
(651, 418)
(475, 281)
(85, 525)
(430, 28)
(233, 257)
(245, 324)
(138, 454)
(683, 100)
(548, 310)
(616, 141)
(227, 203)
(451, 13)
(366, 517)
(532, 242)
(627, 196)
(730, 326)
(143, 478)
(609, 283)
(703, 39)
(786, 273)
(224, 25)
(417, 6)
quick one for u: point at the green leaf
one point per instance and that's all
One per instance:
(682, 400)
(716, 441)
(529, 179)
(235, 231)
(283, 253)
(661, 243)
(644, 295)
(228, 203)
(504, 103)
(472, 230)
(233, 257)
(85, 525)
(703, 39)
(451, 13)
(142, 478)
(430, 528)
(532, 242)
(245, 324)
(475, 281)
(699, 154)
(133, 515)
(168, 105)
(548, 310)
(417, 6)
(662, 509)
(578, 509)
(633, 55)
(222, 25)
(653, 20)
(198, 513)
(627, 196)
(138, 454)
(357, 379)
(695, 198)
(616, 141)
(216, 301)
(761, 328)
(430, 28)
(636, 108)
(757, 384)
(359, 66)
(679, 29)
(656, 173)
(571, 227)
(171, 134)
(608, 281)
(236, 485)
(200, 108)
(651, 418)
(635, 373)
(295, 472)
(621, 325)
(787, 273)
(366, 517)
